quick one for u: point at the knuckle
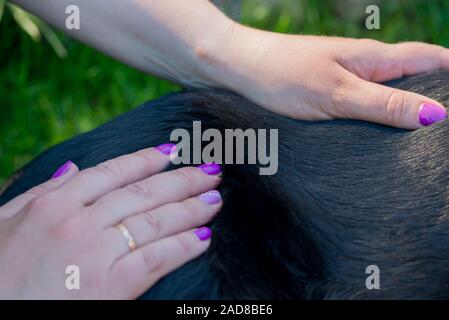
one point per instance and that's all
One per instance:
(42, 202)
(191, 213)
(440, 49)
(396, 107)
(152, 260)
(369, 42)
(153, 223)
(140, 190)
(144, 155)
(412, 47)
(185, 176)
(434, 47)
(38, 190)
(109, 168)
(185, 244)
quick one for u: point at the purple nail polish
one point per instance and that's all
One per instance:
(62, 170)
(210, 197)
(210, 168)
(166, 148)
(430, 113)
(203, 233)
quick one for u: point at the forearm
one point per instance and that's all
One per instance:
(173, 39)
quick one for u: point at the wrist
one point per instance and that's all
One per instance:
(217, 54)
(211, 52)
(231, 61)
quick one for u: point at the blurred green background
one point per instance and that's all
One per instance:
(52, 87)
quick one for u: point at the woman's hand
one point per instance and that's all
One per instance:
(319, 78)
(304, 77)
(83, 219)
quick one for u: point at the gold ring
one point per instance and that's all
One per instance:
(127, 236)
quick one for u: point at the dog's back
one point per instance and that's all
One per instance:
(347, 195)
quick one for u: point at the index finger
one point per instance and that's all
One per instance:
(90, 184)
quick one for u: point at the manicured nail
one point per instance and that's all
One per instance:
(430, 113)
(62, 170)
(210, 197)
(203, 233)
(210, 168)
(166, 148)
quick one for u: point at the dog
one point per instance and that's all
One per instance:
(349, 197)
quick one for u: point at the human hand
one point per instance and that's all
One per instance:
(72, 219)
(320, 78)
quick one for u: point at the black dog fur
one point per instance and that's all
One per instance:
(348, 194)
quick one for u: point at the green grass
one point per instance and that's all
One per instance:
(45, 100)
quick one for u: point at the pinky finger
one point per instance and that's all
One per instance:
(138, 271)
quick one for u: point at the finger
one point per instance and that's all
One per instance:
(418, 57)
(172, 186)
(165, 221)
(92, 183)
(61, 176)
(391, 61)
(364, 100)
(139, 270)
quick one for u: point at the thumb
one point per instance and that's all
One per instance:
(61, 175)
(393, 107)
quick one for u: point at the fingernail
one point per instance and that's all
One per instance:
(203, 233)
(430, 113)
(166, 148)
(210, 168)
(210, 197)
(62, 170)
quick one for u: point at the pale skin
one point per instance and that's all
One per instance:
(194, 44)
(71, 220)
(304, 77)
